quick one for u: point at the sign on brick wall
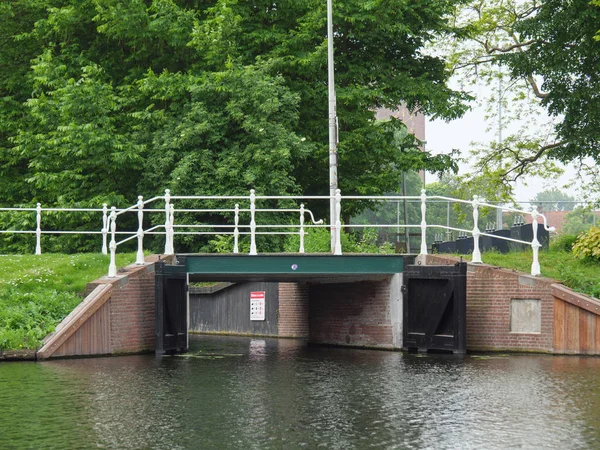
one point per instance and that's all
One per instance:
(257, 305)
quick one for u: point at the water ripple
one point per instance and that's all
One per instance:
(269, 394)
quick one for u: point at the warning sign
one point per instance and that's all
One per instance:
(257, 305)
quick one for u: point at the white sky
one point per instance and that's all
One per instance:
(442, 137)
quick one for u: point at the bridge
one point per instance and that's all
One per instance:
(382, 301)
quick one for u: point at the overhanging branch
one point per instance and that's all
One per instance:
(522, 163)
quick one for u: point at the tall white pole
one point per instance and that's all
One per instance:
(423, 223)
(333, 126)
(499, 210)
(104, 228)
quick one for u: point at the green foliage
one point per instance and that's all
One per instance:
(223, 243)
(583, 276)
(564, 53)
(369, 243)
(578, 221)
(37, 292)
(27, 317)
(102, 100)
(539, 61)
(596, 3)
(554, 200)
(563, 242)
(588, 245)
(318, 240)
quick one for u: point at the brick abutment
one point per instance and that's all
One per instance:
(512, 311)
(506, 311)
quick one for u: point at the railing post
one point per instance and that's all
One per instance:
(252, 222)
(535, 244)
(168, 249)
(172, 228)
(236, 231)
(423, 222)
(104, 228)
(476, 253)
(338, 222)
(38, 230)
(301, 232)
(448, 232)
(140, 232)
(112, 268)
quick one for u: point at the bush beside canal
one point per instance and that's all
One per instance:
(38, 291)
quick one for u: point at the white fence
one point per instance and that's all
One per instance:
(165, 205)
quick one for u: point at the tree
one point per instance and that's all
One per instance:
(564, 53)
(547, 56)
(107, 99)
(17, 17)
(554, 200)
(578, 220)
(131, 70)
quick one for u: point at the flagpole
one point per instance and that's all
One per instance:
(333, 126)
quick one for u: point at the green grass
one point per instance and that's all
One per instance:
(580, 275)
(38, 291)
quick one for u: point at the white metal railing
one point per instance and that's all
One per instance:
(165, 204)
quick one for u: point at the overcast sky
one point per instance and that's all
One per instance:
(442, 137)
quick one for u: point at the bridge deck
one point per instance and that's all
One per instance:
(284, 267)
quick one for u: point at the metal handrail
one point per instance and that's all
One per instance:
(252, 229)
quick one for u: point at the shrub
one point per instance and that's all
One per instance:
(26, 316)
(563, 243)
(318, 240)
(588, 245)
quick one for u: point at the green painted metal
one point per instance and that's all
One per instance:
(170, 269)
(301, 264)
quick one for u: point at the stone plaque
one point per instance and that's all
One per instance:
(525, 316)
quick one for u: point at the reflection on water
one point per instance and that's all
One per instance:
(256, 393)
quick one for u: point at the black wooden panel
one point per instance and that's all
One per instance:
(464, 245)
(171, 309)
(228, 310)
(491, 243)
(444, 247)
(435, 308)
(525, 233)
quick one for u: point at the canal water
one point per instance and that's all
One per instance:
(248, 393)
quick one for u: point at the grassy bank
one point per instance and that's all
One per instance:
(581, 276)
(37, 292)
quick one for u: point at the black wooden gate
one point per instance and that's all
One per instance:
(434, 310)
(171, 309)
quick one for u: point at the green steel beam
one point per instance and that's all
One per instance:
(300, 264)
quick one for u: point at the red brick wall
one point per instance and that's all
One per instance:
(293, 310)
(355, 314)
(489, 294)
(132, 308)
(132, 312)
